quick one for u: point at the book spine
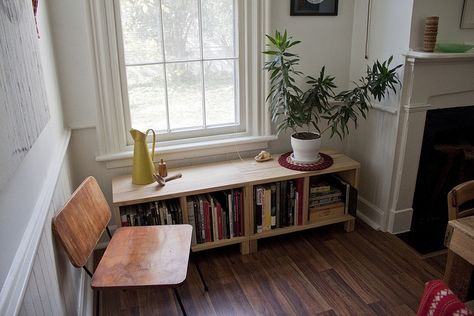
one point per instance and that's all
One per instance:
(231, 214)
(190, 205)
(267, 209)
(241, 213)
(259, 209)
(300, 189)
(202, 219)
(277, 204)
(291, 202)
(284, 204)
(207, 219)
(219, 221)
(273, 206)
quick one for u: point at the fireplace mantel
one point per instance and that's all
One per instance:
(431, 81)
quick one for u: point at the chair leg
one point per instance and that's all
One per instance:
(176, 293)
(200, 275)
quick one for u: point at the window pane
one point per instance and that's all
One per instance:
(218, 28)
(220, 92)
(185, 94)
(147, 97)
(141, 23)
(181, 30)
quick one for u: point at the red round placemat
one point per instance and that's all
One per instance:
(323, 163)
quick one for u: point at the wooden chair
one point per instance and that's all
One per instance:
(460, 196)
(135, 257)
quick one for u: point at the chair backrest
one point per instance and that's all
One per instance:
(458, 196)
(82, 221)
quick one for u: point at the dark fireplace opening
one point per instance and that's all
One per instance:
(447, 159)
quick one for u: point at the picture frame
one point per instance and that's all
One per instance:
(313, 7)
(467, 18)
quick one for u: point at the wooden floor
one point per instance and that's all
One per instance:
(323, 271)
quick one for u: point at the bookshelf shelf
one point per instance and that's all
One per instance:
(244, 175)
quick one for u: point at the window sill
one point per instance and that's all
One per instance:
(193, 150)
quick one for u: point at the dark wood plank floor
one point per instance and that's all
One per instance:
(324, 271)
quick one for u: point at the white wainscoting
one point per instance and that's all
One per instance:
(41, 280)
(373, 145)
(54, 286)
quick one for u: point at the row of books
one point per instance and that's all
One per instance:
(216, 216)
(331, 196)
(278, 205)
(152, 213)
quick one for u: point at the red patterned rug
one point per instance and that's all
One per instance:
(287, 161)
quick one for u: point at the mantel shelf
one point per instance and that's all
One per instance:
(421, 56)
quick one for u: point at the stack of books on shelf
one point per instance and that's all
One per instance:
(278, 205)
(216, 216)
(330, 197)
(152, 213)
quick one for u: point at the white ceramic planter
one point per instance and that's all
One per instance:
(306, 149)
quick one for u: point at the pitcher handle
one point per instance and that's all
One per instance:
(154, 142)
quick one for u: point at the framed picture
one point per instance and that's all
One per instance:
(467, 19)
(313, 7)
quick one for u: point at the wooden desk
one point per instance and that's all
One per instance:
(460, 241)
(145, 256)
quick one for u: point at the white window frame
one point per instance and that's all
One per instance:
(114, 145)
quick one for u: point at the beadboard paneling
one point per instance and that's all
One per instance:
(54, 284)
(373, 144)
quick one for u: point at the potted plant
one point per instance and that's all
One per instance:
(298, 110)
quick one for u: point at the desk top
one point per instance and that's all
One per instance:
(460, 237)
(219, 176)
(145, 256)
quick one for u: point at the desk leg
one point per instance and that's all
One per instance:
(458, 275)
(176, 293)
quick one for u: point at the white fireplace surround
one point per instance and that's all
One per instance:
(431, 81)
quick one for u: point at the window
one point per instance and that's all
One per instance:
(189, 69)
(179, 62)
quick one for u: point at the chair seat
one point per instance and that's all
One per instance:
(145, 256)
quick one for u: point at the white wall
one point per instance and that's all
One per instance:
(449, 13)
(25, 204)
(373, 143)
(21, 195)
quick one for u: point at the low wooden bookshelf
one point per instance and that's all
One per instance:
(236, 174)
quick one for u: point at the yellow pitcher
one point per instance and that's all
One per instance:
(143, 167)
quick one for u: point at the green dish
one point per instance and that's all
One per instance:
(452, 48)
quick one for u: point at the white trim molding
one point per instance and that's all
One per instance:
(16, 281)
(369, 213)
(113, 141)
(399, 221)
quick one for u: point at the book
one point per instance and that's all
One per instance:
(283, 203)
(230, 203)
(299, 200)
(291, 202)
(259, 209)
(267, 208)
(273, 205)
(277, 204)
(190, 206)
(320, 187)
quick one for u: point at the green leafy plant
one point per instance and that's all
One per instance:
(292, 108)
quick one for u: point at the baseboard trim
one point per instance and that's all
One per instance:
(399, 221)
(11, 295)
(369, 213)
